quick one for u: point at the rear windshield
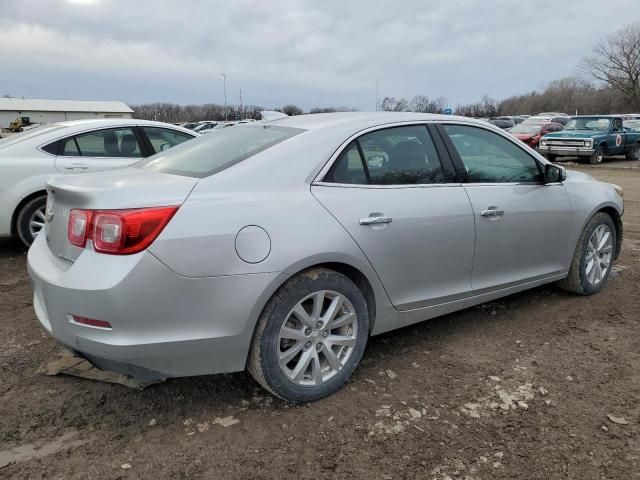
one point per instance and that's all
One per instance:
(27, 134)
(218, 150)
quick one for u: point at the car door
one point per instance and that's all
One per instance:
(161, 139)
(522, 224)
(618, 138)
(397, 197)
(97, 150)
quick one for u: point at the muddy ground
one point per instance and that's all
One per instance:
(518, 388)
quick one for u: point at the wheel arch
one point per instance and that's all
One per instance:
(22, 203)
(351, 268)
(617, 222)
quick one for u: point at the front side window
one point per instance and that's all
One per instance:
(112, 142)
(393, 156)
(218, 150)
(490, 158)
(163, 138)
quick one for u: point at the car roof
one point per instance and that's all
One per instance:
(106, 122)
(357, 120)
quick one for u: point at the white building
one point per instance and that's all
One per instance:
(46, 111)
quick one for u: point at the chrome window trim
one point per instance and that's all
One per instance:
(385, 187)
(490, 128)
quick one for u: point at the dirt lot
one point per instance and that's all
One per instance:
(519, 388)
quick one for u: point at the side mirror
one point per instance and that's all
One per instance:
(554, 173)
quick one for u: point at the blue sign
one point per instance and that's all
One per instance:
(447, 111)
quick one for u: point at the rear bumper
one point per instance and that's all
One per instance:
(163, 324)
(567, 151)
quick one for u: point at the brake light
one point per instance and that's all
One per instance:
(118, 232)
(78, 227)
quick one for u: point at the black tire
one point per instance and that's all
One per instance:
(577, 281)
(597, 156)
(634, 154)
(263, 361)
(24, 217)
(550, 157)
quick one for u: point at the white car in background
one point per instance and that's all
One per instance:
(29, 159)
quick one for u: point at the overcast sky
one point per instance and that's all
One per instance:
(307, 52)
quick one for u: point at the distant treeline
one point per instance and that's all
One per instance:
(568, 95)
(174, 113)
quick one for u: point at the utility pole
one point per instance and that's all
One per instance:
(376, 95)
(241, 111)
(224, 86)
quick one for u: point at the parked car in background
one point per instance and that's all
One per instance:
(531, 133)
(202, 260)
(205, 125)
(189, 125)
(593, 137)
(29, 159)
(548, 119)
(516, 119)
(503, 123)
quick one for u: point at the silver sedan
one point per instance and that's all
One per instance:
(282, 247)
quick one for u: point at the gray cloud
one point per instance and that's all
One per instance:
(306, 52)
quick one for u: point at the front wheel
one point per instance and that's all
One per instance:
(550, 157)
(593, 258)
(31, 218)
(597, 156)
(310, 336)
(634, 154)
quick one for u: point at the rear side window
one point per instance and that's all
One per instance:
(218, 150)
(113, 142)
(162, 139)
(392, 156)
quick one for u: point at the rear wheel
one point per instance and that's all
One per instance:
(593, 258)
(31, 218)
(310, 336)
(597, 156)
(634, 154)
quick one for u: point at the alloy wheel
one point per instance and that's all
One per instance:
(36, 222)
(317, 338)
(599, 254)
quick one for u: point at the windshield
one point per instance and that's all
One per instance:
(218, 150)
(34, 132)
(527, 128)
(591, 123)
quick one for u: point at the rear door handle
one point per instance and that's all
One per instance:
(73, 166)
(492, 212)
(375, 220)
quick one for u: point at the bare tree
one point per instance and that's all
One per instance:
(292, 110)
(391, 104)
(422, 103)
(615, 61)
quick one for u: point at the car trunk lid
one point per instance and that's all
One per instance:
(122, 189)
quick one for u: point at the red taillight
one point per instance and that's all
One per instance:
(118, 232)
(92, 322)
(79, 227)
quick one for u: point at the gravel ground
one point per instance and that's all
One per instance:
(539, 385)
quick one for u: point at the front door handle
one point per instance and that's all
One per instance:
(73, 166)
(375, 220)
(492, 212)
